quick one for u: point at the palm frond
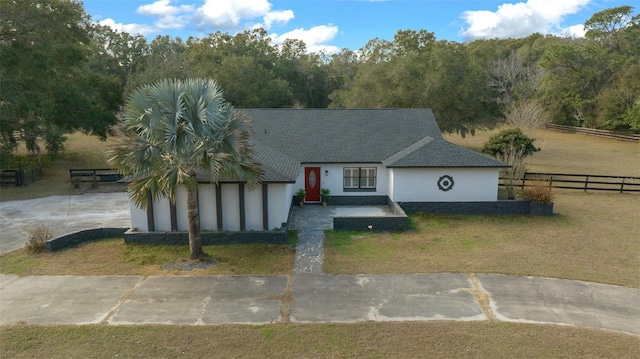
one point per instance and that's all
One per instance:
(177, 128)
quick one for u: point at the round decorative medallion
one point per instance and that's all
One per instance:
(445, 183)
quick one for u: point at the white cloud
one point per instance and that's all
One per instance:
(162, 8)
(279, 17)
(520, 19)
(315, 38)
(133, 29)
(172, 22)
(574, 31)
(169, 16)
(230, 13)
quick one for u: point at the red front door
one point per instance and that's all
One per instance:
(312, 183)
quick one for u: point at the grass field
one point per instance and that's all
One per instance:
(83, 151)
(592, 237)
(362, 340)
(113, 257)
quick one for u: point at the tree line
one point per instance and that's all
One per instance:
(60, 73)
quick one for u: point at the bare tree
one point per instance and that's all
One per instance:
(512, 79)
(514, 174)
(528, 115)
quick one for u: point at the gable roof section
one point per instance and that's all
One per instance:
(431, 153)
(407, 151)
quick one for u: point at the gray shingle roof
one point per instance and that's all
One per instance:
(442, 154)
(342, 135)
(277, 166)
(285, 138)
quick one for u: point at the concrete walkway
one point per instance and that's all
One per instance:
(311, 221)
(309, 298)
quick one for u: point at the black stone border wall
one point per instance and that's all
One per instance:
(73, 239)
(208, 238)
(396, 222)
(358, 200)
(376, 224)
(504, 207)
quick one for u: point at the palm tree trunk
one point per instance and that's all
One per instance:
(195, 242)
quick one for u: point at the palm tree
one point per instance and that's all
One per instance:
(175, 129)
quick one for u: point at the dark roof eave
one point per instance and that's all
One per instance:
(239, 181)
(443, 166)
(337, 162)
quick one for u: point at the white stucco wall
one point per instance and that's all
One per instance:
(162, 214)
(253, 209)
(230, 207)
(391, 183)
(181, 209)
(334, 179)
(206, 207)
(279, 203)
(138, 217)
(421, 185)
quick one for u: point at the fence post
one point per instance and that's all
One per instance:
(524, 178)
(29, 178)
(20, 176)
(586, 183)
(622, 186)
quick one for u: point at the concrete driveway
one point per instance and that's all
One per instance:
(311, 298)
(62, 215)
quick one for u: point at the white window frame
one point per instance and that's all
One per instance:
(359, 178)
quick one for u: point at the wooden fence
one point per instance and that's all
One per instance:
(578, 182)
(94, 175)
(594, 132)
(22, 176)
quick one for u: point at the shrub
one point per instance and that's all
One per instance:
(538, 193)
(301, 194)
(510, 146)
(325, 194)
(38, 238)
(508, 141)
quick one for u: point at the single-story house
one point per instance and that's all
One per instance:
(363, 156)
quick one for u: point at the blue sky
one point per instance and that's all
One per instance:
(330, 25)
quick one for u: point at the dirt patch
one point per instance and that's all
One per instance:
(286, 298)
(189, 265)
(482, 297)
